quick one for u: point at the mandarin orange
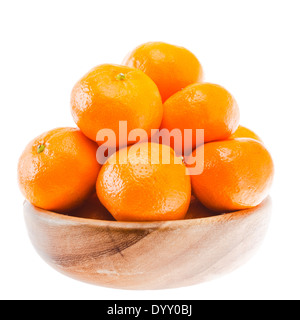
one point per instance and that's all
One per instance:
(109, 94)
(197, 210)
(92, 209)
(201, 106)
(243, 132)
(237, 174)
(145, 182)
(58, 170)
(172, 68)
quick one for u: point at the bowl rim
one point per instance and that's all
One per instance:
(66, 219)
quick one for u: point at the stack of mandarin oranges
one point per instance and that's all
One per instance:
(158, 86)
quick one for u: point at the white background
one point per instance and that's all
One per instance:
(249, 47)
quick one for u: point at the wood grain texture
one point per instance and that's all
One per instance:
(147, 255)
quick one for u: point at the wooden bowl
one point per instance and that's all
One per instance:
(147, 255)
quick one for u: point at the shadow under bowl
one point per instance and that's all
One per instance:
(147, 255)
